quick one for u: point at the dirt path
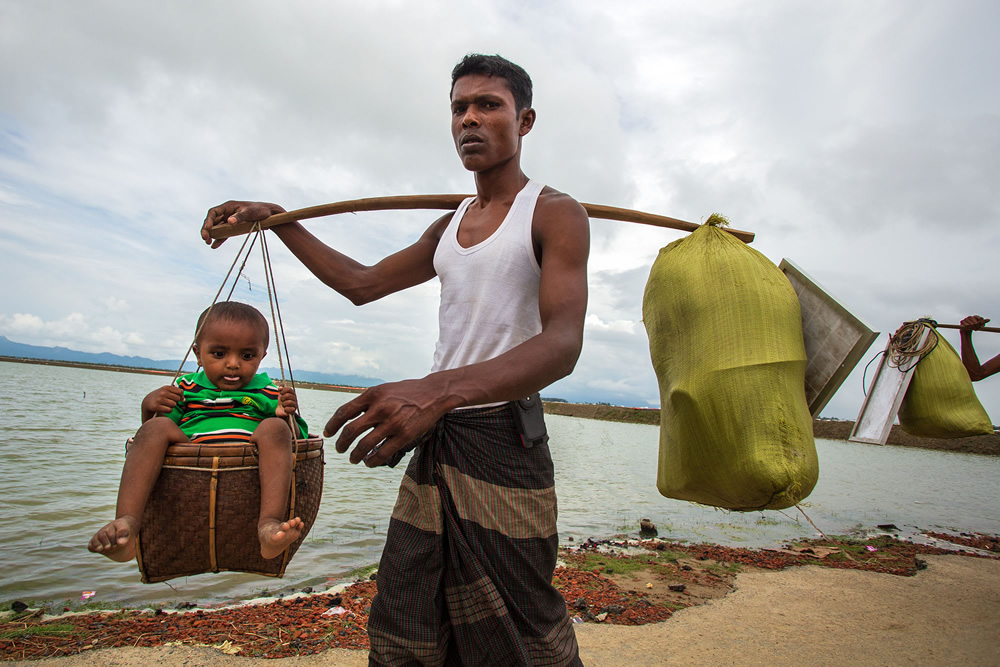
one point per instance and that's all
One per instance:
(948, 614)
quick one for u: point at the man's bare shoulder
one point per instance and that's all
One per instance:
(560, 222)
(434, 232)
(553, 204)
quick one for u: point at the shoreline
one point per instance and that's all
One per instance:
(157, 371)
(829, 429)
(635, 598)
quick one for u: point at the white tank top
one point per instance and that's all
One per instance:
(489, 292)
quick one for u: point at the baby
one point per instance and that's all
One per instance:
(227, 401)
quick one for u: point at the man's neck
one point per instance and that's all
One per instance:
(501, 183)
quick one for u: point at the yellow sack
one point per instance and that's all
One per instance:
(725, 337)
(940, 401)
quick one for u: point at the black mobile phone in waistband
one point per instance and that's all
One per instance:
(530, 419)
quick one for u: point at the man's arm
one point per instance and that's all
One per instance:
(396, 413)
(359, 283)
(970, 359)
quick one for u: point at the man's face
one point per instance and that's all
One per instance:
(230, 352)
(486, 126)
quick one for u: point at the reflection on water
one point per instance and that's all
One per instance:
(62, 446)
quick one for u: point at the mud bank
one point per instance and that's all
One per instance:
(828, 429)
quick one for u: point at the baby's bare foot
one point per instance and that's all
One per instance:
(117, 539)
(276, 536)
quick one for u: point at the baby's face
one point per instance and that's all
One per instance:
(230, 353)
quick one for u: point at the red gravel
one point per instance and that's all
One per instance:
(589, 594)
(275, 630)
(984, 542)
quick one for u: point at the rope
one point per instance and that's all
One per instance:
(216, 298)
(905, 346)
(825, 536)
(279, 328)
(272, 299)
(281, 342)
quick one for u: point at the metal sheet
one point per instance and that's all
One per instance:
(835, 338)
(885, 394)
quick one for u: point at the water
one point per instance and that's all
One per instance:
(62, 447)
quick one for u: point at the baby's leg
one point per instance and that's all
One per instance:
(273, 438)
(143, 461)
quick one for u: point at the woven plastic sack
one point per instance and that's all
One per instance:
(725, 337)
(940, 401)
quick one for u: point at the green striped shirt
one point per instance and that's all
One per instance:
(209, 415)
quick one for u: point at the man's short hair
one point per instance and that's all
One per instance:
(517, 79)
(237, 312)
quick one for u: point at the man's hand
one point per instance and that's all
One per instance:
(393, 414)
(973, 323)
(161, 401)
(233, 212)
(287, 402)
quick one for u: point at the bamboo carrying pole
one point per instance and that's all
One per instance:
(450, 202)
(958, 326)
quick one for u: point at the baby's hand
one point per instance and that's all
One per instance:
(287, 403)
(162, 400)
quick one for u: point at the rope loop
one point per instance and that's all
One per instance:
(905, 347)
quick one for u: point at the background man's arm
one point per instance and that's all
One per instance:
(395, 413)
(970, 359)
(359, 283)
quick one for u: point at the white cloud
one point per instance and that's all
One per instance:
(22, 323)
(113, 303)
(73, 331)
(622, 326)
(858, 139)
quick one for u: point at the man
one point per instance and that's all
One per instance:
(466, 573)
(976, 370)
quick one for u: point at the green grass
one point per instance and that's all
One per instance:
(627, 565)
(673, 606)
(853, 546)
(75, 606)
(58, 630)
(8, 605)
(98, 605)
(728, 568)
(362, 573)
(668, 556)
(593, 561)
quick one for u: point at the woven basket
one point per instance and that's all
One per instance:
(202, 514)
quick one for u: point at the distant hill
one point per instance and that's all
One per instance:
(9, 348)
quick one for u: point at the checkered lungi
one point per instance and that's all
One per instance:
(466, 574)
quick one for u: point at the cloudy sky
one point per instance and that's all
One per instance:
(859, 139)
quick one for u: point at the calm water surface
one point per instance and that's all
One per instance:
(62, 447)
